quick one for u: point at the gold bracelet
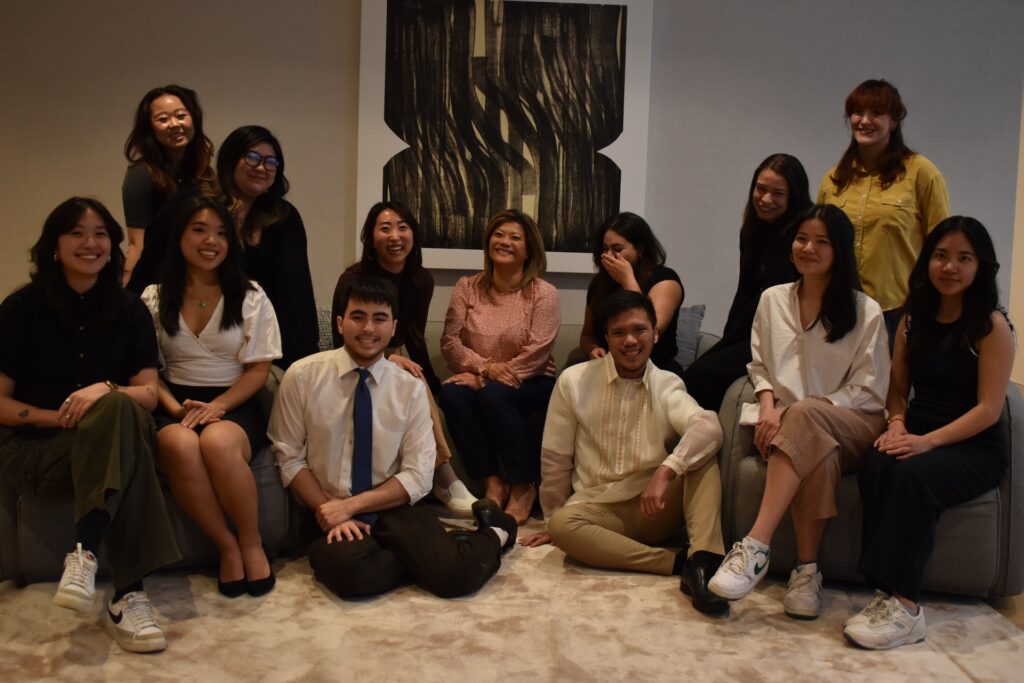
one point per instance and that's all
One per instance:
(111, 385)
(895, 418)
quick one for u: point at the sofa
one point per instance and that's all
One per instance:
(979, 545)
(36, 534)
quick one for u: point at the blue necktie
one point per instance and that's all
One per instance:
(362, 451)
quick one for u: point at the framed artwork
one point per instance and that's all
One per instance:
(468, 107)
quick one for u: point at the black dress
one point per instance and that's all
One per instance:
(903, 498)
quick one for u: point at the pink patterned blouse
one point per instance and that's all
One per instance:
(514, 327)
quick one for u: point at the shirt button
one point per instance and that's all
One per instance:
(81, 355)
(81, 328)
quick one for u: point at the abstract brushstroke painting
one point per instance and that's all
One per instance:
(467, 107)
(504, 104)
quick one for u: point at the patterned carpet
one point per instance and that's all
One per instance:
(541, 618)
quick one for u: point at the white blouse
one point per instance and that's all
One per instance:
(216, 357)
(852, 372)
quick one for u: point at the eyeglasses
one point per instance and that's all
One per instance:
(254, 159)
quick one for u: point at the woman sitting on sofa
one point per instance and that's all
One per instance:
(627, 255)
(498, 333)
(78, 380)
(820, 369)
(391, 250)
(954, 348)
(218, 335)
(778, 194)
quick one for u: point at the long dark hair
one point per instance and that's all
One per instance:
(792, 171)
(839, 303)
(979, 300)
(48, 273)
(269, 207)
(882, 96)
(142, 147)
(414, 262)
(173, 279)
(636, 231)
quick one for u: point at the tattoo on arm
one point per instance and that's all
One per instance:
(23, 414)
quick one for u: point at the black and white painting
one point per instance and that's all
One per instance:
(483, 105)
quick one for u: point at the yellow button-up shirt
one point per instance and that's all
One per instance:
(890, 224)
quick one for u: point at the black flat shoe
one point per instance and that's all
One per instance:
(694, 582)
(262, 586)
(487, 513)
(232, 589)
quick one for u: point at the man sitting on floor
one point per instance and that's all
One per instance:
(609, 426)
(352, 435)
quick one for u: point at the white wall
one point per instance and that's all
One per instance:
(732, 81)
(73, 73)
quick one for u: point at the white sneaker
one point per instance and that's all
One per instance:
(131, 624)
(803, 599)
(77, 588)
(457, 498)
(877, 603)
(741, 570)
(889, 625)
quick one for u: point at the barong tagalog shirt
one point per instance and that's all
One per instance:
(606, 435)
(852, 372)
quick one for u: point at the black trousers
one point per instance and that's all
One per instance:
(498, 429)
(710, 376)
(407, 545)
(902, 503)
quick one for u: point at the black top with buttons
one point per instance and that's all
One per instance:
(52, 348)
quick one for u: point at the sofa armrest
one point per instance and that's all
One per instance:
(737, 444)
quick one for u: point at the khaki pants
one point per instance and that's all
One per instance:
(618, 536)
(106, 463)
(823, 442)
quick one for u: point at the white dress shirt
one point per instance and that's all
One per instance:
(311, 424)
(604, 435)
(216, 357)
(852, 372)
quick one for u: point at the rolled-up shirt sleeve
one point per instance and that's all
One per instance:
(700, 430)
(418, 450)
(287, 428)
(760, 335)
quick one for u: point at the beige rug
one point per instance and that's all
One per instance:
(540, 618)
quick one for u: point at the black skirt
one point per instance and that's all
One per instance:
(249, 416)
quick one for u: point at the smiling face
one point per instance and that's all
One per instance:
(171, 122)
(631, 336)
(367, 328)
(507, 246)
(250, 182)
(871, 129)
(770, 195)
(392, 241)
(204, 242)
(620, 246)
(953, 265)
(813, 254)
(84, 250)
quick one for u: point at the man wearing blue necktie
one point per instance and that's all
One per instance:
(353, 440)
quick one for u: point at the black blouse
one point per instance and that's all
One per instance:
(51, 347)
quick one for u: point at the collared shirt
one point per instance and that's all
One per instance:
(514, 327)
(53, 348)
(311, 424)
(216, 357)
(607, 434)
(852, 372)
(890, 224)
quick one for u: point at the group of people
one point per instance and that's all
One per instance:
(124, 366)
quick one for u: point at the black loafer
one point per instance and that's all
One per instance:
(487, 513)
(694, 582)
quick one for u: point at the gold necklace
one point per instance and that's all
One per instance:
(202, 303)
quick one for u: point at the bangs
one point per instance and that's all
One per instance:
(876, 96)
